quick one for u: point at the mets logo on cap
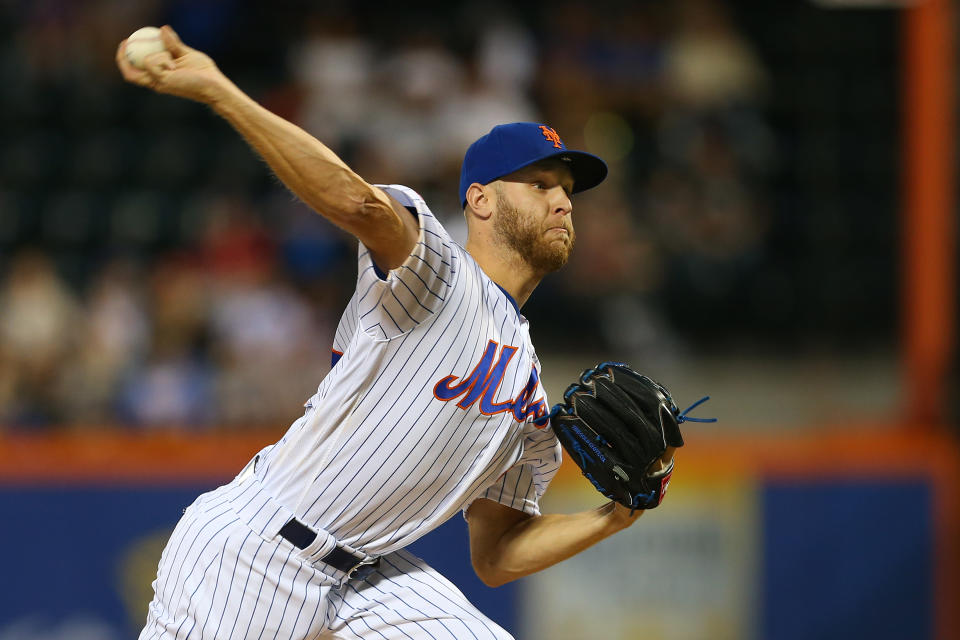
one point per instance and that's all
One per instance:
(552, 136)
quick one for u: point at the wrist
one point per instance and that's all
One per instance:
(221, 94)
(621, 517)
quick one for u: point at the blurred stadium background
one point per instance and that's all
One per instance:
(777, 231)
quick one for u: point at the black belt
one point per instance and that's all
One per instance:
(301, 536)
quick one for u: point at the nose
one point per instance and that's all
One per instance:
(561, 202)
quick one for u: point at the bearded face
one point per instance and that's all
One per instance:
(545, 250)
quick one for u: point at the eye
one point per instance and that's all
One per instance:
(539, 185)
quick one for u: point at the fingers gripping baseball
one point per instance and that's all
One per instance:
(173, 43)
(177, 70)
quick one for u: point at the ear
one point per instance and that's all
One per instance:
(479, 201)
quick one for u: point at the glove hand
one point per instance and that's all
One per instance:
(662, 463)
(622, 429)
(626, 516)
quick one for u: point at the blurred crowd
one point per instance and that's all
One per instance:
(153, 273)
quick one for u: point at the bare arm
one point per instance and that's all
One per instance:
(506, 544)
(305, 165)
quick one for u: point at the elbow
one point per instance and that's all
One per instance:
(358, 201)
(368, 210)
(350, 199)
(493, 580)
(492, 575)
(367, 201)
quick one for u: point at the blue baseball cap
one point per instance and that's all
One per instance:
(509, 147)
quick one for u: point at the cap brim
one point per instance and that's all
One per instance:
(587, 169)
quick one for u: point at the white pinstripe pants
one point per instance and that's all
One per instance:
(219, 579)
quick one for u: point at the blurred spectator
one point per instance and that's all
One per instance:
(172, 389)
(310, 248)
(269, 353)
(704, 196)
(496, 88)
(174, 385)
(115, 340)
(708, 65)
(615, 271)
(406, 132)
(262, 332)
(234, 242)
(38, 321)
(333, 66)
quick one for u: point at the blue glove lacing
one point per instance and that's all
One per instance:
(683, 417)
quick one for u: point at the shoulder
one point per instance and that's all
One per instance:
(406, 197)
(413, 202)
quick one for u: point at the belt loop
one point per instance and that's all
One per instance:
(336, 560)
(299, 534)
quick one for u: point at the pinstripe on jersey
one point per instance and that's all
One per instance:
(378, 460)
(429, 405)
(221, 578)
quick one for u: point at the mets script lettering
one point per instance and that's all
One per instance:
(483, 382)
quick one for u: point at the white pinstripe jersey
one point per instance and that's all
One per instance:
(430, 406)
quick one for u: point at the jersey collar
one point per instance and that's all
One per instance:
(510, 298)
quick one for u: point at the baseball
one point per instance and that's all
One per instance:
(142, 43)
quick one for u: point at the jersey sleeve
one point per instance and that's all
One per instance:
(391, 304)
(522, 486)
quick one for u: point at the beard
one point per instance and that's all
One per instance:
(525, 236)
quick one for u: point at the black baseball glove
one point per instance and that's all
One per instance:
(616, 424)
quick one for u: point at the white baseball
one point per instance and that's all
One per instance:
(142, 43)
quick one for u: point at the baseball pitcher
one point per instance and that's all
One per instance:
(433, 405)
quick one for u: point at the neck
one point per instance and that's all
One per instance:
(506, 268)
